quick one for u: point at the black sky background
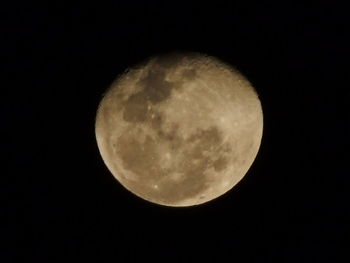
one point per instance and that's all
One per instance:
(60, 201)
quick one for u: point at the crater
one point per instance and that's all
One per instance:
(139, 158)
(136, 108)
(189, 74)
(220, 164)
(154, 89)
(210, 137)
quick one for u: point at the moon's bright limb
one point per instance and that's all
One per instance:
(179, 129)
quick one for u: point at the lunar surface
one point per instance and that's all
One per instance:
(179, 129)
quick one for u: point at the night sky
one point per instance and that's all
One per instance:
(60, 201)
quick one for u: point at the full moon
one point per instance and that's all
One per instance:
(179, 129)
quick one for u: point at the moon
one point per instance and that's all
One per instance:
(179, 129)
